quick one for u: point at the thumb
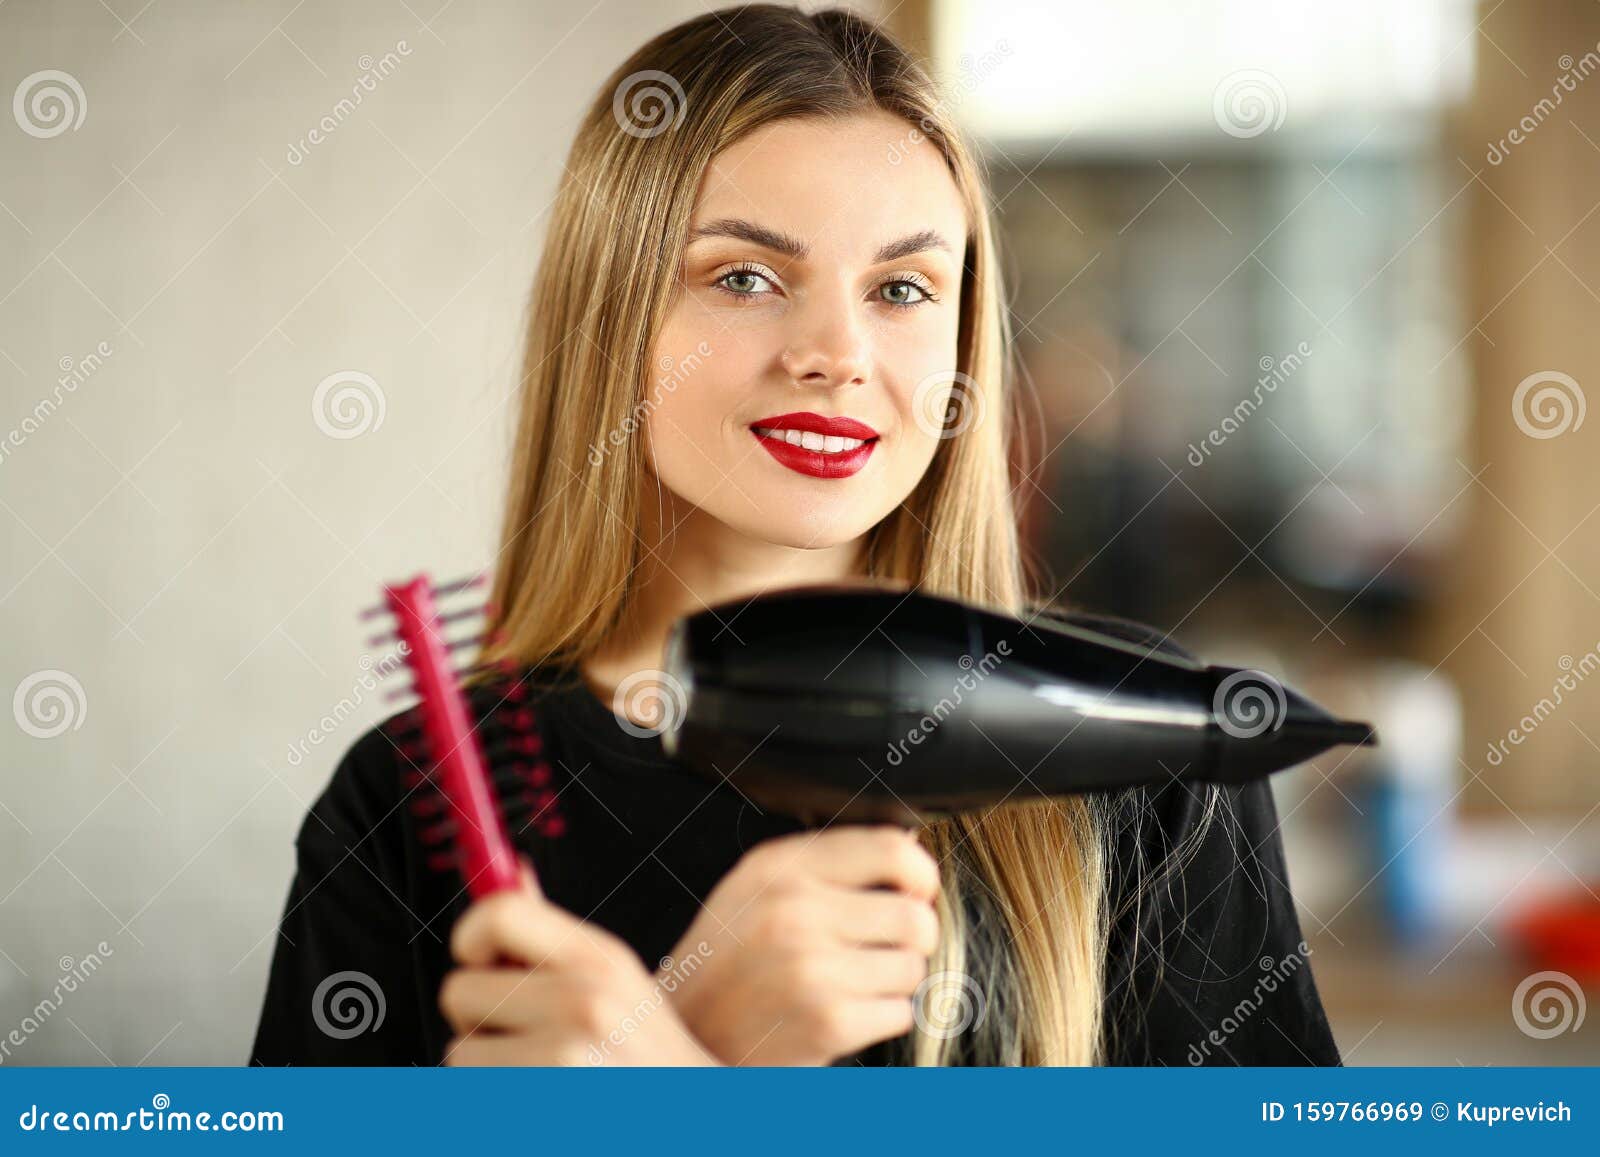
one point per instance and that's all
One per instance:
(520, 926)
(530, 879)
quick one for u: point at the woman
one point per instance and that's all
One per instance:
(767, 224)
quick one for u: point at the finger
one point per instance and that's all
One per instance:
(473, 999)
(880, 1019)
(530, 878)
(881, 972)
(893, 919)
(517, 926)
(862, 856)
(506, 1049)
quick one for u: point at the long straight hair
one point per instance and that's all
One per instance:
(1022, 906)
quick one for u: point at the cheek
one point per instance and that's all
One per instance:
(682, 429)
(922, 359)
(694, 407)
(918, 429)
(719, 353)
(707, 371)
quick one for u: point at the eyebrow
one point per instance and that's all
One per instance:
(739, 228)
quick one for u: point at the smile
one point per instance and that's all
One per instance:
(816, 446)
(827, 443)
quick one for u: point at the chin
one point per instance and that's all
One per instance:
(807, 533)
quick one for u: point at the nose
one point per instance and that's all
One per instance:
(828, 343)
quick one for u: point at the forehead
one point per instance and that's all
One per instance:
(845, 186)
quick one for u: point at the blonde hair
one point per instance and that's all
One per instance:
(1022, 908)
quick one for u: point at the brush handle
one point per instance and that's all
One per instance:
(488, 862)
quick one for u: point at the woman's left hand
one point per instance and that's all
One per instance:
(538, 986)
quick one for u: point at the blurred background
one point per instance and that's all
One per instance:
(1306, 293)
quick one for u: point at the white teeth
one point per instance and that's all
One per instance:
(823, 443)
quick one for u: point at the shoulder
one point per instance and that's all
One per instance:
(359, 809)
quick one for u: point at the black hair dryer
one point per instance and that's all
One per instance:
(866, 702)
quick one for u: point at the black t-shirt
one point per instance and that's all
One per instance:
(1207, 968)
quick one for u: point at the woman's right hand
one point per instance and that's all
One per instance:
(800, 955)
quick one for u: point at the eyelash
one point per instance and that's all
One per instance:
(918, 283)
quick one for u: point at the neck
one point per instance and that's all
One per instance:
(696, 561)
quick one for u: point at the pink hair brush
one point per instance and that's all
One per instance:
(474, 758)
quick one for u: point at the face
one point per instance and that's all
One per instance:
(820, 289)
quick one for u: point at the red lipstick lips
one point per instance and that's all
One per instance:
(817, 462)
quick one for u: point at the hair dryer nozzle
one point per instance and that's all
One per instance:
(1264, 726)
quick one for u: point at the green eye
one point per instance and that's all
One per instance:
(743, 283)
(901, 292)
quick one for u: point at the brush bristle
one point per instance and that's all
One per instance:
(500, 723)
(514, 755)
